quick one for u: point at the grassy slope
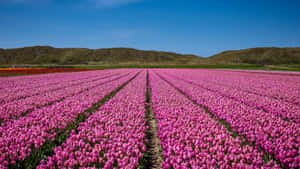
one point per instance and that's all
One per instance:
(128, 56)
(264, 56)
(287, 59)
(111, 56)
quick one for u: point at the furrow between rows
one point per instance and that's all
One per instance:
(153, 157)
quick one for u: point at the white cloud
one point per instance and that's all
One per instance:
(113, 3)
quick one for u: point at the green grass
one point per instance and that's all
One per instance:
(295, 68)
(243, 67)
(173, 66)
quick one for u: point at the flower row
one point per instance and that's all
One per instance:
(282, 87)
(44, 124)
(190, 138)
(267, 131)
(112, 137)
(16, 108)
(43, 85)
(277, 107)
(24, 82)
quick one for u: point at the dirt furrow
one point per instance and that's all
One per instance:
(153, 155)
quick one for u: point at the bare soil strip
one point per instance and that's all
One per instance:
(153, 155)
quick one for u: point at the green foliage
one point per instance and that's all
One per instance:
(253, 58)
(70, 56)
(263, 56)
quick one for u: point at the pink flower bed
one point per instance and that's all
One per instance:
(278, 107)
(112, 137)
(34, 129)
(252, 119)
(23, 88)
(283, 87)
(15, 108)
(276, 136)
(190, 138)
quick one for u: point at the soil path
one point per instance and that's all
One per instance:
(154, 157)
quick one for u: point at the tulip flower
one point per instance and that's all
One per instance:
(101, 140)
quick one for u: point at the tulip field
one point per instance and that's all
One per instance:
(27, 71)
(151, 118)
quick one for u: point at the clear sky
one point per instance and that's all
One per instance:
(201, 27)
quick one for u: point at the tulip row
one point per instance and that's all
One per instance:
(114, 136)
(44, 124)
(285, 88)
(10, 95)
(17, 108)
(22, 82)
(28, 71)
(277, 107)
(277, 137)
(44, 81)
(288, 74)
(269, 76)
(190, 138)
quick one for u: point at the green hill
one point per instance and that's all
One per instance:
(264, 56)
(111, 56)
(127, 56)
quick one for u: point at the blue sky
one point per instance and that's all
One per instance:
(202, 27)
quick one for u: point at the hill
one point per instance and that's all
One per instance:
(111, 56)
(264, 56)
(129, 56)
